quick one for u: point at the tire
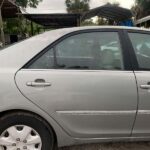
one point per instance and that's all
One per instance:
(23, 122)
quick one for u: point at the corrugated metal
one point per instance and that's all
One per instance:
(110, 12)
(9, 8)
(55, 20)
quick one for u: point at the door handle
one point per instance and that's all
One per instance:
(146, 86)
(38, 83)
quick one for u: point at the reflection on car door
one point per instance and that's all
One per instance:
(90, 97)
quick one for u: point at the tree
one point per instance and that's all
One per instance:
(102, 21)
(117, 4)
(137, 11)
(20, 26)
(23, 25)
(77, 6)
(141, 8)
(88, 22)
(26, 3)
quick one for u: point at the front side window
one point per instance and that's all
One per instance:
(141, 45)
(85, 51)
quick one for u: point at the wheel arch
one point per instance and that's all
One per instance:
(41, 118)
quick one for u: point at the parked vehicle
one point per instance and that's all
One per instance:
(73, 86)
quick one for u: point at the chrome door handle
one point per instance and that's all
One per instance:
(146, 86)
(38, 83)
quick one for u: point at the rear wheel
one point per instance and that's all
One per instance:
(23, 131)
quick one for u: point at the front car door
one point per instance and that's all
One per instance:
(83, 83)
(141, 47)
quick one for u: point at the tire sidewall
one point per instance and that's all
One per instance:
(32, 121)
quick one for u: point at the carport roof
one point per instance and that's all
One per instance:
(60, 20)
(109, 11)
(143, 20)
(57, 20)
(9, 8)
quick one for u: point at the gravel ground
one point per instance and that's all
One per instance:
(112, 146)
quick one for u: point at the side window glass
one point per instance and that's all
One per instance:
(141, 45)
(46, 61)
(95, 51)
(85, 51)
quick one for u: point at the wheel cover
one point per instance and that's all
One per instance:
(20, 137)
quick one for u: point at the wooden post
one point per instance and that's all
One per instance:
(78, 21)
(32, 28)
(1, 25)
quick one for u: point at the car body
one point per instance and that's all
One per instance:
(89, 84)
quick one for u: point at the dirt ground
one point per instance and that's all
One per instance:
(112, 146)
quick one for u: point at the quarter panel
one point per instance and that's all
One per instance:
(11, 99)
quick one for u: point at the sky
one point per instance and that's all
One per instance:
(58, 6)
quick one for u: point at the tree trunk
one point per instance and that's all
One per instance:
(1, 29)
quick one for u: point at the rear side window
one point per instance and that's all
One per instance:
(141, 45)
(46, 61)
(84, 51)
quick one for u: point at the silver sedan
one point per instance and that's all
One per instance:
(73, 86)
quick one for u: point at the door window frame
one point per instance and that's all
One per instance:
(123, 44)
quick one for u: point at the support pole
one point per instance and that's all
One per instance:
(78, 21)
(32, 28)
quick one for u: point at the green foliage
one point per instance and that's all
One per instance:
(11, 26)
(77, 6)
(20, 26)
(26, 3)
(102, 21)
(141, 8)
(117, 4)
(144, 3)
(88, 23)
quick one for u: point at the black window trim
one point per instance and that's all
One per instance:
(122, 39)
(132, 52)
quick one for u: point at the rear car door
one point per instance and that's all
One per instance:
(85, 83)
(141, 61)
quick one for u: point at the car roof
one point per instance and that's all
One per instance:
(102, 27)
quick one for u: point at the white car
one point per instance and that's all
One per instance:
(73, 86)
